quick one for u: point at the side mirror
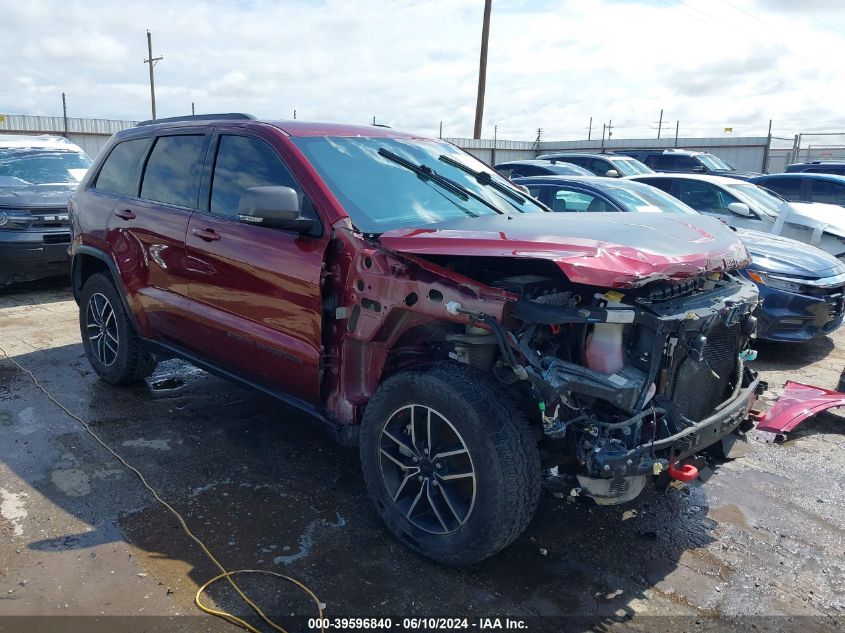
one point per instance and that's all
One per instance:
(698, 169)
(740, 208)
(611, 173)
(274, 207)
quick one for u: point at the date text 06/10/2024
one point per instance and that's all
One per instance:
(418, 624)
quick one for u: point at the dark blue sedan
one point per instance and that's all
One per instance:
(805, 187)
(802, 287)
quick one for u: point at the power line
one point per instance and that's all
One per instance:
(691, 11)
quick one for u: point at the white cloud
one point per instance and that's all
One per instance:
(552, 64)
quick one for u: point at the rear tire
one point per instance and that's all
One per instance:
(113, 347)
(449, 462)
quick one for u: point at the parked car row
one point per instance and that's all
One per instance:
(802, 288)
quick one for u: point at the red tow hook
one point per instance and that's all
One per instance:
(682, 472)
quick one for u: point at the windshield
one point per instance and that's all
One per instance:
(631, 166)
(21, 166)
(381, 193)
(714, 163)
(761, 200)
(647, 199)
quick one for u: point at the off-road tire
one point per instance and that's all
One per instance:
(132, 362)
(504, 455)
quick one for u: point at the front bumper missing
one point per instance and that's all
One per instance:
(696, 437)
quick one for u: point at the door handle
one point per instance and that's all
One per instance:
(209, 235)
(125, 214)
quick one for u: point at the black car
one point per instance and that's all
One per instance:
(805, 187)
(521, 168)
(687, 162)
(818, 167)
(37, 177)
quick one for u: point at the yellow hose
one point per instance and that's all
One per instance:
(224, 573)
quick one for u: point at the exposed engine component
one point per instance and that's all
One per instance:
(612, 491)
(476, 347)
(618, 380)
(530, 287)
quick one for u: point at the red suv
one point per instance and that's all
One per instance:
(421, 307)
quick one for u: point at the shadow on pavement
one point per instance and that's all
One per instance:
(787, 356)
(36, 292)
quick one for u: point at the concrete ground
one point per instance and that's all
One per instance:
(264, 488)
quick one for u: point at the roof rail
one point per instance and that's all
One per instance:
(229, 116)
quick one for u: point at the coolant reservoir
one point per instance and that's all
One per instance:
(604, 348)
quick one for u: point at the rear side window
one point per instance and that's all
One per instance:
(566, 200)
(575, 160)
(172, 170)
(702, 196)
(686, 162)
(119, 174)
(789, 188)
(661, 163)
(664, 184)
(600, 167)
(244, 162)
(827, 191)
(528, 170)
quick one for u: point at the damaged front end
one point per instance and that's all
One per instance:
(627, 385)
(626, 361)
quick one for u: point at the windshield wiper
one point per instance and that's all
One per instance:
(484, 178)
(427, 173)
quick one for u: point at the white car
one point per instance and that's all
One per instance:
(745, 205)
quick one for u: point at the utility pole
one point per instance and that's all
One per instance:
(608, 128)
(152, 62)
(441, 130)
(539, 136)
(765, 169)
(374, 119)
(677, 125)
(660, 123)
(294, 114)
(590, 129)
(482, 70)
(495, 138)
(193, 110)
(64, 113)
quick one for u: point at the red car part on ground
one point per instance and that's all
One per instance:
(797, 403)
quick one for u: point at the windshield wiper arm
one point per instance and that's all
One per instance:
(484, 178)
(427, 173)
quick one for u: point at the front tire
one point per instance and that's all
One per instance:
(113, 347)
(449, 463)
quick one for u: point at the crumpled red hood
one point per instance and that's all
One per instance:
(613, 250)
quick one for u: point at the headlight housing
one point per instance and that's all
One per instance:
(773, 281)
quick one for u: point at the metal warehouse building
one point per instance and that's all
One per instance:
(746, 153)
(90, 134)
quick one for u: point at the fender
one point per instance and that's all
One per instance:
(76, 280)
(797, 403)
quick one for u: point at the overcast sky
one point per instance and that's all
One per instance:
(414, 63)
